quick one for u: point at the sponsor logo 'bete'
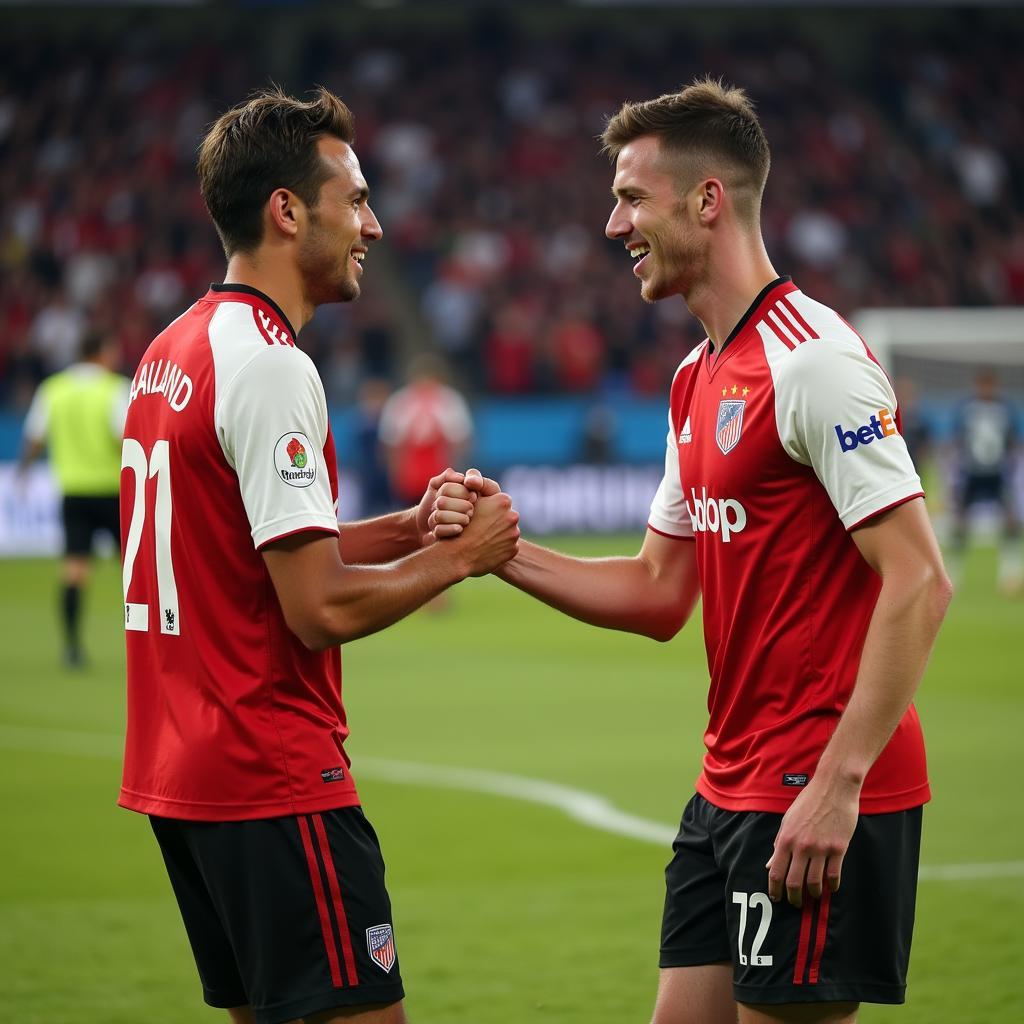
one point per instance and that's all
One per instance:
(880, 426)
(725, 516)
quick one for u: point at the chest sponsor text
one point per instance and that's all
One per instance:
(724, 516)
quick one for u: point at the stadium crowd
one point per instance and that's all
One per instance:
(897, 181)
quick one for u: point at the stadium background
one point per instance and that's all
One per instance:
(898, 181)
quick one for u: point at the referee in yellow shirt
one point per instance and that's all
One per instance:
(78, 414)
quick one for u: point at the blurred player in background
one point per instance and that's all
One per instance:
(78, 414)
(790, 504)
(985, 441)
(238, 590)
(424, 427)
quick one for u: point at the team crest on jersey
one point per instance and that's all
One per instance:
(730, 424)
(380, 944)
(295, 459)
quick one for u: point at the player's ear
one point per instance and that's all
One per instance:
(283, 211)
(710, 198)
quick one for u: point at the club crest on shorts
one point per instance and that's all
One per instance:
(730, 424)
(380, 944)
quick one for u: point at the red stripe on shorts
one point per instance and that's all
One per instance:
(803, 943)
(819, 939)
(321, 904)
(339, 907)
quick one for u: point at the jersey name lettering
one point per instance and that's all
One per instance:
(162, 378)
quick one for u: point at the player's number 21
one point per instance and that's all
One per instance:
(136, 614)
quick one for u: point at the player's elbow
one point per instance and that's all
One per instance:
(664, 627)
(313, 628)
(941, 593)
(931, 591)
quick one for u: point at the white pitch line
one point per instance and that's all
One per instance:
(588, 809)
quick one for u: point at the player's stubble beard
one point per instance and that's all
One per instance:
(326, 273)
(681, 259)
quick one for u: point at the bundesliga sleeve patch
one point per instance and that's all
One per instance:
(295, 459)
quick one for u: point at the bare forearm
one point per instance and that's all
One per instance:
(899, 641)
(380, 540)
(368, 598)
(614, 593)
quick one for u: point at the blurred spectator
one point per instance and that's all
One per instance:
(371, 458)
(898, 173)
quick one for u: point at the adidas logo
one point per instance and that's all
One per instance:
(686, 436)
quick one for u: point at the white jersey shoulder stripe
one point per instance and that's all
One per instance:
(236, 339)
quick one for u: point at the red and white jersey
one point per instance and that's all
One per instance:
(227, 447)
(423, 423)
(777, 447)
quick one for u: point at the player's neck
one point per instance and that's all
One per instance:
(277, 280)
(738, 274)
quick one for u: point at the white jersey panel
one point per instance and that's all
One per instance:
(668, 508)
(835, 411)
(270, 416)
(415, 415)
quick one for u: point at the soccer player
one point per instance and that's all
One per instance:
(790, 505)
(238, 590)
(78, 414)
(424, 425)
(986, 445)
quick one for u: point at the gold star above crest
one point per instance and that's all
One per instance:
(734, 389)
(725, 391)
(746, 391)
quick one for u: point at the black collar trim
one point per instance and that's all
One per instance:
(750, 311)
(249, 290)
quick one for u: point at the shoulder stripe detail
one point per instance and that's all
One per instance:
(794, 314)
(272, 332)
(780, 330)
(799, 324)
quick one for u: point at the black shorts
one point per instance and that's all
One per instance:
(978, 487)
(288, 915)
(849, 946)
(83, 516)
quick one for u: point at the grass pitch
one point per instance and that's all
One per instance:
(505, 911)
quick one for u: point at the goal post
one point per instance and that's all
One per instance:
(933, 357)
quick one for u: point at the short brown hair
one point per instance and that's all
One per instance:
(709, 122)
(266, 143)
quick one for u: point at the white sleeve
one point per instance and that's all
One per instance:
(836, 412)
(456, 419)
(668, 509)
(391, 425)
(271, 420)
(37, 419)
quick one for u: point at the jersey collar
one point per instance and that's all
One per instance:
(765, 297)
(244, 289)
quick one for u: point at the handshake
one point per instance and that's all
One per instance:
(472, 514)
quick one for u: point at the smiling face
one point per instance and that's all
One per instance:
(655, 221)
(339, 228)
